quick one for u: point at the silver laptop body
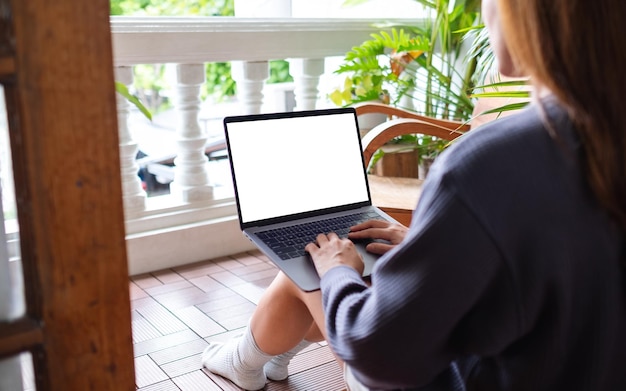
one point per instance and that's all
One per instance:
(297, 168)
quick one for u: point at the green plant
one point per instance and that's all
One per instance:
(149, 82)
(425, 68)
(438, 69)
(219, 84)
(123, 90)
(490, 87)
(172, 7)
(375, 68)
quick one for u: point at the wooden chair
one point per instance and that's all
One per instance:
(398, 196)
(395, 195)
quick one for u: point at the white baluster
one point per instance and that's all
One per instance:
(191, 177)
(250, 78)
(133, 194)
(306, 75)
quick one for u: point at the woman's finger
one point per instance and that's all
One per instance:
(370, 224)
(393, 232)
(378, 248)
(320, 239)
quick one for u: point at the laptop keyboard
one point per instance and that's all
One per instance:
(289, 242)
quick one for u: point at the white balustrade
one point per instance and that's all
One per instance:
(306, 74)
(194, 223)
(133, 194)
(250, 77)
(191, 175)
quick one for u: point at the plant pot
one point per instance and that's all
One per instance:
(424, 166)
(399, 161)
(368, 121)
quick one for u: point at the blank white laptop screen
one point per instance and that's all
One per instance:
(286, 166)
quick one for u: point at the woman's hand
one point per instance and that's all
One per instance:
(392, 233)
(329, 251)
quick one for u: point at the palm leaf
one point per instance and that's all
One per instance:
(502, 94)
(509, 107)
(123, 90)
(508, 83)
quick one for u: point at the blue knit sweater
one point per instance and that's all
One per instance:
(509, 277)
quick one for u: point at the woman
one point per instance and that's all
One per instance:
(511, 276)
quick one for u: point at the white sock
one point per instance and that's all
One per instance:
(277, 367)
(239, 360)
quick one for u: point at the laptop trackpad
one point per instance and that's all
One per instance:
(368, 258)
(302, 271)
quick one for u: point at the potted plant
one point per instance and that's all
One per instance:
(427, 68)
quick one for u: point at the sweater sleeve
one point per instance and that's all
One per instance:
(406, 330)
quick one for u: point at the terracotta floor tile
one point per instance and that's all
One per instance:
(164, 342)
(179, 351)
(167, 276)
(147, 372)
(142, 329)
(183, 298)
(198, 269)
(196, 381)
(247, 258)
(222, 301)
(136, 292)
(162, 319)
(227, 278)
(145, 281)
(176, 312)
(252, 268)
(207, 284)
(183, 366)
(169, 287)
(199, 322)
(166, 385)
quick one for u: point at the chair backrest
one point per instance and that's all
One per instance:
(403, 122)
(398, 196)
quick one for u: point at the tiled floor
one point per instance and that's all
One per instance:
(176, 311)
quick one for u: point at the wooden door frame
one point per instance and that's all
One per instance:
(57, 69)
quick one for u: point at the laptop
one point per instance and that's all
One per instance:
(296, 175)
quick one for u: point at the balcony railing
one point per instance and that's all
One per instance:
(197, 221)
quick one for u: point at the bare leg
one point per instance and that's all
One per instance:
(284, 323)
(286, 315)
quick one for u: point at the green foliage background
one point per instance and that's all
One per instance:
(172, 7)
(149, 79)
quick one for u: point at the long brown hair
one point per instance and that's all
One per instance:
(577, 49)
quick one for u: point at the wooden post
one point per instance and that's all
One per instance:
(64, 139)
